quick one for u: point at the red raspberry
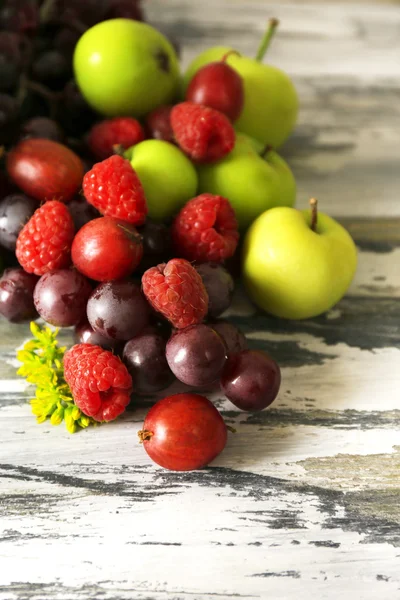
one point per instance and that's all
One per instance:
(99, 381)
(44, 243)
(114, 188)
(176, 290)
(205, 134)
(123, 131)
(206, 229)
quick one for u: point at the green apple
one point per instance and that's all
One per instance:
(295, 264)
(251, 183)
(271, 102)
(168, 177)
(125, 67)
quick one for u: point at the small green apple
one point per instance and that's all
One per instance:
(271, 103)
(251, 183)
(295, 264)
(125, 67)
(168, 177)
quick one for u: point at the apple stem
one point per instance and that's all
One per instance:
(314, 213)
(266, 40)
(266, 150)
(228, 54)
(144, 435)
(119, 150)
(231, 429)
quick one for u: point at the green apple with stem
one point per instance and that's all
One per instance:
(297, 264)
(168, 177)
(253, 179)
(271, 103)
(125, 67)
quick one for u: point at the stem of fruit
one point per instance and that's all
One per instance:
(231, 429)
(144, 435)
(266, 40)
(314, 213)
(265, 150)
(228, 54)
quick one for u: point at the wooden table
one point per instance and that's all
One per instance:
(305, 500)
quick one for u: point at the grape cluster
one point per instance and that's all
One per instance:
(38, 96)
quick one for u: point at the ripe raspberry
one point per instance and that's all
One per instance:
(206, 229)
(123, 131)
(44, 243)
(99, 381)
(177, 291)
(205, 134)
(113, 187)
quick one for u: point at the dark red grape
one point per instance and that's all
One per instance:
(233, 338)
(81, 212)
(196, 355)
(61, 296)
(42, 127)
(74, 114)
(125, 9)
(10, 60)
(158, 124)
(81, 13)
(183, 432)
(21, 16)
(8, 118)
(118, 310)
(15, 212)
(66, 40)
(156, 239)
(16, 295)
(144, 356)
(85, 334)
(251, 380)
(52, 69)
(219, 285)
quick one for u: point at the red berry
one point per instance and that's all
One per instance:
(45, 170)
(99, 381)
(218, 86)
(105, 249)
(176, 290)
(206, 229)
(158, 124)
(205, 134)
(183, 432)
(44, 243)
(121, 131)
(114, 188)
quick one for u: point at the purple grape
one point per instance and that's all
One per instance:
(83, 13)
(196, 355)
(66, 40)
(10, 60)
(21, 16)
(16, 295)
(15, 212)
(52, 69)
(251, 380)
(81, 212)
(219, 285)
(118, 310)
(42, 127)
(156, 240)
(84, 334)
(233, 338)
(144, 356)
(74, 114)
(61, 296)
(125, 9)
(8, 118)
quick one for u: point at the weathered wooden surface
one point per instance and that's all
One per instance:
(305, 500)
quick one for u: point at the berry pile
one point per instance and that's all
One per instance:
(106, 230)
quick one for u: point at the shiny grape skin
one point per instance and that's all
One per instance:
(118, 310)
(233, 338)
(15, 212)
(157, 246)
(145, 359)
(61, 296)
(196, 355)
(42, 127)
(251, 380)
(219, 285)
(16, 295)
(85, 334)
(81, 212)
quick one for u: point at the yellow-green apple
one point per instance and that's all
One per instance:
(168, 177)
(251, 182)
(297, 264)
(270, 100)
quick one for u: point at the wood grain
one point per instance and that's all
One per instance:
(305, 500)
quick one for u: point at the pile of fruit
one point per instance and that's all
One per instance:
(123, 196)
